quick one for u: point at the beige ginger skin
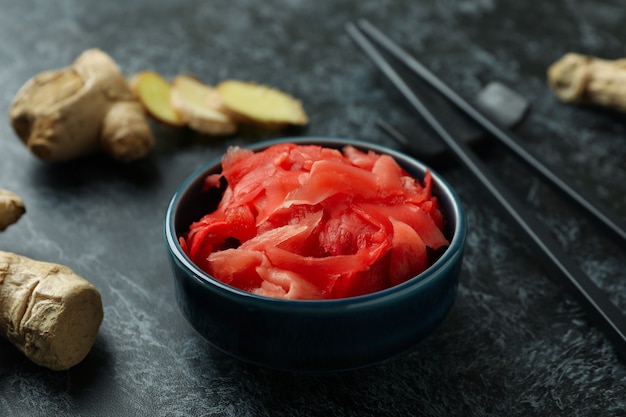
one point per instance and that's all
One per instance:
(11, 208)
(66, 113)
(47, 311)
(587, 80)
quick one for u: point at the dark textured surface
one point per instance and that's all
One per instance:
(516, 343)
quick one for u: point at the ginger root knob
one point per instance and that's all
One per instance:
(47, 311)
(587, 80)
(66, 113)
(11, 208)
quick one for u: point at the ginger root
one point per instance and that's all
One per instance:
(587, 80)
(66, 113)
(11, 208)
(47, 311)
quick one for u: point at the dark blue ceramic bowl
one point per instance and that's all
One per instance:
(326, 335)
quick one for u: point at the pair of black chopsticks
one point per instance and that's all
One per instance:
(600, 308)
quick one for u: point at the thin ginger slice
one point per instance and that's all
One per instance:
(190, 99)
(154, 91)
(258, 104)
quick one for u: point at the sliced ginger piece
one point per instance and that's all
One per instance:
(154, 91)
(249, 102)
(190, 99)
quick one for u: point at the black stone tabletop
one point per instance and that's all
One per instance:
(516, 343)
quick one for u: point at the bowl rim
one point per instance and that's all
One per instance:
(455, 248)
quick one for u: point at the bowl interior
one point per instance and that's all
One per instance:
(190, 203)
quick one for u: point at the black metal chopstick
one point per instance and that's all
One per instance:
(600, 308)
(601, 214)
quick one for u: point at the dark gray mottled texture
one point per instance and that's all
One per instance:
(515, 343)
